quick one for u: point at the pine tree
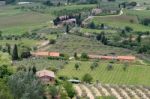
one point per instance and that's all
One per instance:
(15, 53)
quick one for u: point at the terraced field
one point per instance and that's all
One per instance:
(116, 91)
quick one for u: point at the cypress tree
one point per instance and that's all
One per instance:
(15, 53)
(8, 48)
(34, 69)
(67, 29)
(139, 38)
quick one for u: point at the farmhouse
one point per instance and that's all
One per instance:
(96, 11)
(2, 3)
(46, 76)
(120, 58)
(45, 54)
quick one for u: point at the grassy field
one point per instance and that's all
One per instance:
(136, 74)
(25, 42)
(139, 13)
(121, 22)
(22, 23)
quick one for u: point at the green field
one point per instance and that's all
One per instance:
(139, 13)
(135, 75)
(25, 42)
(120, 22)
(22, 23)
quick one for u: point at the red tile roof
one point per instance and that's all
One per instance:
(52, 54)
(44, 73)
(130, 58)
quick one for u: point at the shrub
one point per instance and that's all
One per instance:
(87, 78)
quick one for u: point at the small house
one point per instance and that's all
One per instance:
(46, 76)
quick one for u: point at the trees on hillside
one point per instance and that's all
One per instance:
(24, 85)
(101, 37)
(54, 91)
(4, 91)
(69, 89)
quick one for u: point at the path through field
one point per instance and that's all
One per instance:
(91, 17)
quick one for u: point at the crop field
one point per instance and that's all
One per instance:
(22, 23)
(121, 22)
(112, 91)
(70, 44)
(136, 74)
(139, 13)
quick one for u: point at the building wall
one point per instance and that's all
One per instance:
(47, 80)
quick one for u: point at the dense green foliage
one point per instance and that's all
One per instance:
(25, 85)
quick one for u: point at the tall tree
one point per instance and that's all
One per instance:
(67, 28)
(75, 55)
(34, 70)
(15, 53)
(8, 48)
(139, 38)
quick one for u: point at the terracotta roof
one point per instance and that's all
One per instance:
(53, 54)
(43, 73)
(113, 57)
(126, 57)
